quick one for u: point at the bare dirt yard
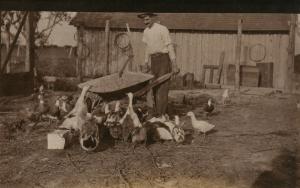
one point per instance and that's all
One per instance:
(254, 145)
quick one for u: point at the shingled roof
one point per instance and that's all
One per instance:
(188, 21)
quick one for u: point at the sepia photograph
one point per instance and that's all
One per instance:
(149, 99)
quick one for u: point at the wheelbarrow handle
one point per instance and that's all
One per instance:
(125, 65)
(154, 83)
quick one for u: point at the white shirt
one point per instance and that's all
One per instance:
(157, 39)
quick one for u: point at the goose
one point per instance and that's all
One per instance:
(200, 126)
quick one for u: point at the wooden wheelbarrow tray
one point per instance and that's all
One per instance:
(115, 86)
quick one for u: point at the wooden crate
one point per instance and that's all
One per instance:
(249, 75)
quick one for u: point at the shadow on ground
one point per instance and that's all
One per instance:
(282, 175)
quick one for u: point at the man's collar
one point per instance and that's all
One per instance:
(151, 25)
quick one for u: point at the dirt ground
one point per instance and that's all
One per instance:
(254, 145)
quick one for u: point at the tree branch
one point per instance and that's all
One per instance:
(13, 43)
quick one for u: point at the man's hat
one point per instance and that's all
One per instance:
(143, 15)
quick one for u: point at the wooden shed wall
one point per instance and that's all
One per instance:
(193, 49)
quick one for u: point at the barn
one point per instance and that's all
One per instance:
(267, 42)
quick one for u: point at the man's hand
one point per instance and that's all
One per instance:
(175, 69)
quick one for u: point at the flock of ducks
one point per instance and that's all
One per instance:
(131, 124)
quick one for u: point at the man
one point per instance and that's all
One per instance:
(159, 50)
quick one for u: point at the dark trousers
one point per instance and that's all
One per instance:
(160, 65)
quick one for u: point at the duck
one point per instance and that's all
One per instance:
(65, 106)
(162, 119)
(78, 115)
(158, 131)
(89, 136)
(43, 108)
(42, 90)
(138, 136)
(225, 97)
(208, 107)
(165, 130)
(89, 104)
(176, 120)
(199, 125)
(142, 113)
(55, 112)
(100, 113)
(131, 112)
(113, 121)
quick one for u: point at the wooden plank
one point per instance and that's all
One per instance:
(79, 52)
(213, 86)
(291, 53)
(211, 76)
(221, 61)
(277, 60)
(203, 76)
(210, 66)
(106, 42)
(238, 55)
(131, 49)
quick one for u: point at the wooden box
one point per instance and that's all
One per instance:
(249, 75)
(57, 139)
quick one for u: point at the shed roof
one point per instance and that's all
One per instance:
(188, 21)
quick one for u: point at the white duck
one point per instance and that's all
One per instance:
(161, 119)
(130, 111)
(225, 97)
(200, 126)
(177, 120)
(77, 117)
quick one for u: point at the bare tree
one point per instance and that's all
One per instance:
(12, 20)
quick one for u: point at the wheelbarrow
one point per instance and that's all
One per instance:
(115, 86)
